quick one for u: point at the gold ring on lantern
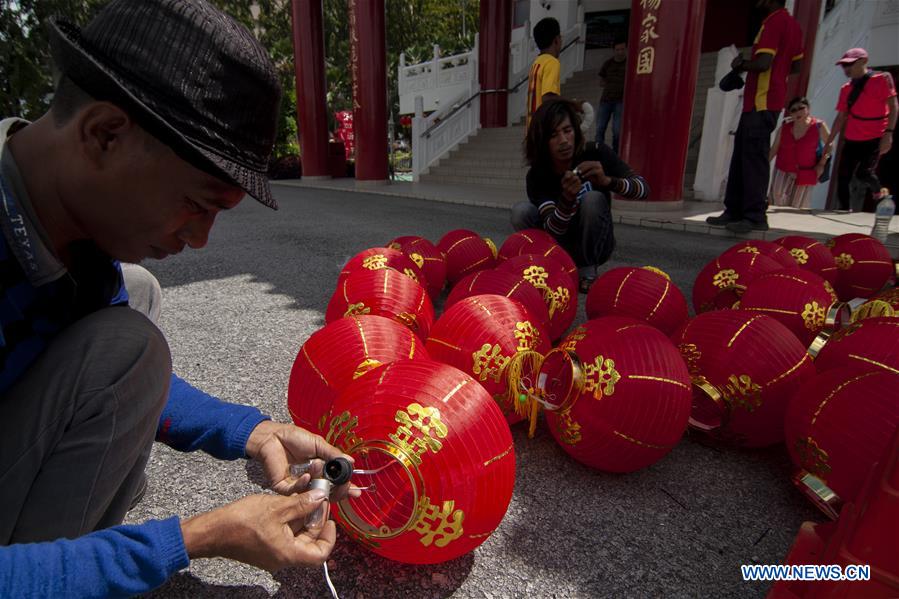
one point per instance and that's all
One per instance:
(575, 386)
(416, 481)
(712, 392)
(523, 398)
(822, 495)
(873, 309)
(818, 344)
(837, 315)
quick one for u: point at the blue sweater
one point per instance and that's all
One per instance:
(36, 303)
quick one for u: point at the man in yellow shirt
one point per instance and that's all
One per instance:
(543, 79)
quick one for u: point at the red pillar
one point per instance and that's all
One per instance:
(368, 62)
(807, 13)
(493, 61)
(309, 61)
(663, 60)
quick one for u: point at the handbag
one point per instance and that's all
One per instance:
(819, 151)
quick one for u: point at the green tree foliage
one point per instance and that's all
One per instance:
(413, 27)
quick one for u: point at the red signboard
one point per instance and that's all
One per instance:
(345, 131)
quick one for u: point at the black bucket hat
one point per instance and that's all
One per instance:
(189, 74)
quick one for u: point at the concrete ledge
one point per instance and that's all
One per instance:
(643, 206)
(371, 183)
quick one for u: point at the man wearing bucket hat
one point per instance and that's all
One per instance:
(163, 117)
(866, 116)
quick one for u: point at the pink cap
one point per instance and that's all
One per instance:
(852, 55)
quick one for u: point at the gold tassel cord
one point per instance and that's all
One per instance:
(520, 375)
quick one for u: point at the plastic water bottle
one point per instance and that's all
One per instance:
(882, 215)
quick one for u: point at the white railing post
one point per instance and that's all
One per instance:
(418, 127)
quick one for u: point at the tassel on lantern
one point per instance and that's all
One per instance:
(616, 394)
(646, 294)
(495, 340)
(864, 265)
(744, 367)
(384, 292)
(426, 255)
(339, 353)
(437, 461)
(837, 425)
(466, 252)
(810, 254)
(721, 283)
(378, 258)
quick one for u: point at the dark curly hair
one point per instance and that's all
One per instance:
(550, 115)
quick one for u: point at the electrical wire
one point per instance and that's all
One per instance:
(328, 580)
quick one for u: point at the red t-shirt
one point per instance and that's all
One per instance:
(871, 106)
(780, 36)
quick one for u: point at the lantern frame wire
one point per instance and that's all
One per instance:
(575, 386)
(820, 494)
(714, 394)
(838, 315)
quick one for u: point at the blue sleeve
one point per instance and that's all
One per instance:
(116, 562)
(194, 420)
(121, 297)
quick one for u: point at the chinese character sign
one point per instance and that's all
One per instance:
(649, 25)
(345, 132)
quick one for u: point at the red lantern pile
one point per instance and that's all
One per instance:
(776, 252)
(495, 340)
(721, 283)
(437, 456)
(617, 394)
(339, 353)
(507, 284)
(466, 252)
(837, 425)
(548, 277)
(864, 265)
(643, 293)
(744, 368)
(426, 255)
(872, 343)
(379, 258)
(384, 292)
(801, 300)
(810, 254)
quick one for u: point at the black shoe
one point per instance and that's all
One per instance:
(745, 226)
(720, 220)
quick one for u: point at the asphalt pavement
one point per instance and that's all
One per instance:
(235, 315)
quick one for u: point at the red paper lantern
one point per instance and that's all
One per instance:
(617, 394)
(466, 252)
(440, 458)
(864, 265)
(799, 299)
(384, 292)
(884, 304)
(837, 425)
(497, 341)
(776, 252)
(518, 242)
(872, 343)
(507, 284)
(550, 279)
(721, 283)
(378, 258)
(643, 293)
(744, 367)
(811, 254)
(426, 255)
(339, 353)
(548, 247)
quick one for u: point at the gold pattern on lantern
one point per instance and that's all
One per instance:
(410, 273)
(341, 431)
(844, 261)
(813, 458)
(424, 420)
(528, 336)
(364, 366)
(439, 525)
(561, 297)
(375, 262)
(535, 275)
(813, 316)
(359, 308)
(489, 362)
(800, 255)
(571, 341)
(829, 289)
(749, 249)
(417, 258)
(658, 271)
(569, 430)
(726, 279)
(741, 391)
(600, 377)
(691, 355)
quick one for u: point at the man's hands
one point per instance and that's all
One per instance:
(592, 171)
(571, 186)
(265, 531)
(276, 446)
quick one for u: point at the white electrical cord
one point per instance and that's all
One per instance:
(330, 584)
